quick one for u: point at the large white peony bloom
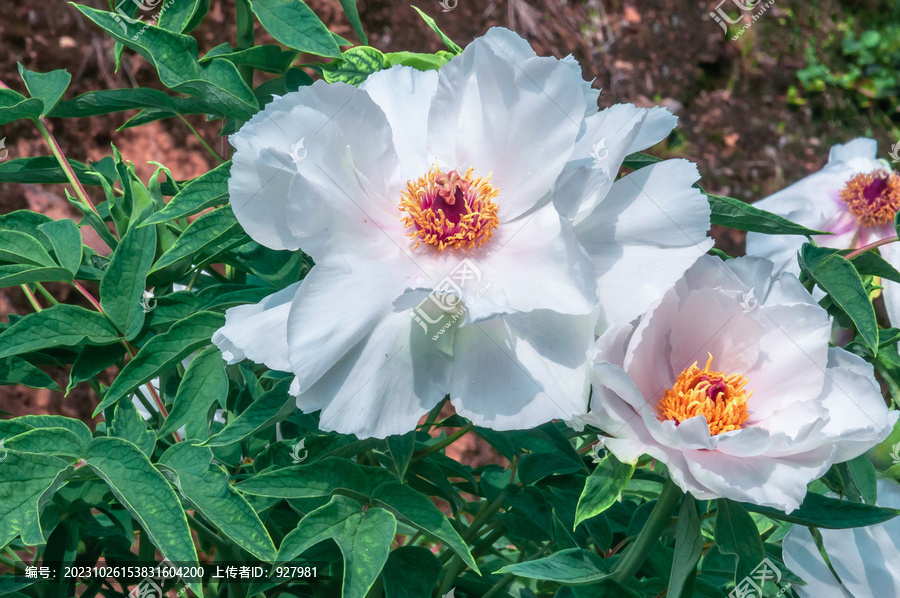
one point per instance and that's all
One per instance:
(439, 207)
(865, 558)
(729, 380)
(854, 196)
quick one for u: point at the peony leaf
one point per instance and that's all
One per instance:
(603, 488)
(26, 479)
(210, 189)
(321, 478)
(733, 213)
(202, 234)
(829, 513)
(272, 407)
(688, 545)
(410, 572)
(204, 383)
(57, 326)
(128, 424)
(737, 534)
(46, 87)
(65, 237)
(15, 370)
(14, 106)
(573, 566)
(125, 280)
(354, 66)
(295, 25)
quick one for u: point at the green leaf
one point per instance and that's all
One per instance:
(108, 101)
(207, 487)
(603, 488)
(14, 106)
(93, 360)
(204, 382)
(146, 494)
(320, 478)
(47, 441)
(422, 62)
(128, 424)
(22, 248)
(354, 66)
(27, 478)
(183, 15)
(46, 87)
(688, 546)
(733, 213)
(401, 448)
(161, 352)
(830, 513)
(737, 534)
(204, 233)
(447, 41)
(16, 274)
(295, 25)
(26, 221)
(124, 283)
(43, 169)
(419, 510)
(837, 277)
(15, 370)
(638, 160)
(570, 567)
(352, 13)
(268, 58)
(56, 326)
(66, 240)
(411, 572)
(175, 58)
(273, 406)
(363, 538)
(75, 426)
(862, 472)
(210, 189)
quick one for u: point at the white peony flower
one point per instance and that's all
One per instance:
(854, 196)
(438, 209)
(865, 558)
(740, 399)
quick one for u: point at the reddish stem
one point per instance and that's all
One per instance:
(870, 246)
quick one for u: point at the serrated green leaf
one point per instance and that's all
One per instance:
(733, 213)
(26, 478)
(128, 424)
(837, 277)
(603, 488)
(56, 326)
(175, 58)
(210, 189)
(124, 283)
(571, 567)
(320, 478)
(419, 510)
(354, 66)
(146, 494)
(411, 572)
(273, 406)
(66, 240)
(737, 534)
(688, 545)
(363, 538)
(205, 232)
(204, 383)
(15, 370)
(22, 248)
(295, 25)
(451, 45)
(160, 352)
(46, 87)
(14, 106)
(207, 486)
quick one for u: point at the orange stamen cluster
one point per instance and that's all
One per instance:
(873, 198)
(446, 209)
(721, 398)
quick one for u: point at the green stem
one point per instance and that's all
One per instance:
(203, 141)
(659, 519)
(40, 288)
(485, 514)
(507, 579)
(246, 37)
(80, 193)
(31, 298)
(870, 247)
(443, 443)
(457, 565)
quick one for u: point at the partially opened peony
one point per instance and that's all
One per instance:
(855, 197)
(865, 558)
(437, 208)
(729, 380)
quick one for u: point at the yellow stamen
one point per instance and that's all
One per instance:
(720, 397)
(873, 198)
(445, 209)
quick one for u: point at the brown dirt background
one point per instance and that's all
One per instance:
(730, 96)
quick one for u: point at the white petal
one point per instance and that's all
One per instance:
(258, 332)
(653, 223)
